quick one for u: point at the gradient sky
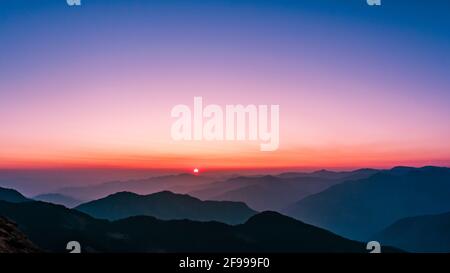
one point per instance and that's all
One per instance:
(358, 86)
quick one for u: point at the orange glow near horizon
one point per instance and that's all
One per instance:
(102, 97)
(302, 158)
(319, 129)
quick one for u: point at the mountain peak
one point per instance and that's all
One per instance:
(127, 194)
(186, 175)
(166, 205)
(267, 217)
(168, 193)
(270, 177)
(401, 169)
(11, 195)
(322, 171)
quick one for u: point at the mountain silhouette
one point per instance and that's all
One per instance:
(11, 195)
(167, 206)
(180, 183)
(13, 240)
(357, 209)
(276, 192)
(425, 233)
(347, 175)
(274, 232)
(272, 193)
(58, 199)
(52, 226)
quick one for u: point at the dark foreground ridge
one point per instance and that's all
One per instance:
(52, 226)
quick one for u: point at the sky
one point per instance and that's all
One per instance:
(94, 85)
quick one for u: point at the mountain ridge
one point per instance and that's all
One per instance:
(357, 209)
(166, 205)
(59, 199)
(11, 195)
(408, 233)
(52, 226)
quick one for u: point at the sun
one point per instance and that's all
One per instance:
(195, 171)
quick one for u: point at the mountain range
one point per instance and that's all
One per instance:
(166, 205)
(275, 192)
(180, 183)
(425, 233)
(268, 192)
(358, 209)
(52, 226)
(407, 208)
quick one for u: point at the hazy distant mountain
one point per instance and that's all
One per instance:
(211, 188)
(180, 183)
(358, 209)
(31, 182)
(11, 195)
(52, 226)
(276, 192)
(167, 206)
(58, 199)
(273, 193)
(347, 175)
(13, 240)
(426, 233)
